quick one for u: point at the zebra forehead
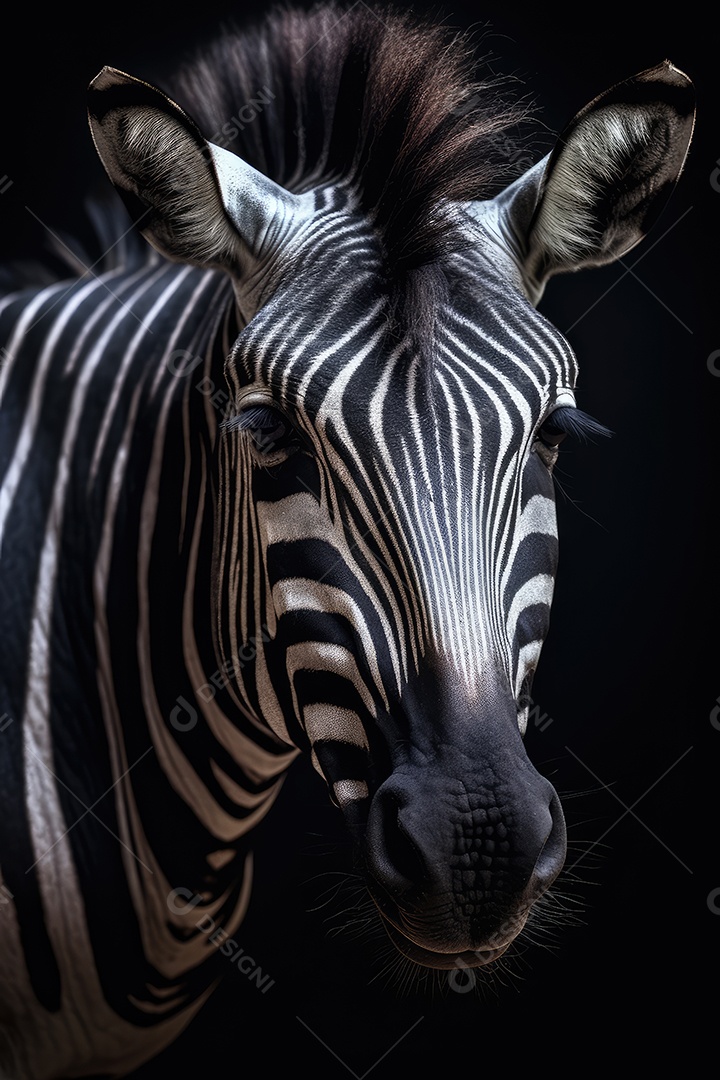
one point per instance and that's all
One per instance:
(333, 342)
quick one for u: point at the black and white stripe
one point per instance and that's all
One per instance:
(287, 490)
(108, 515)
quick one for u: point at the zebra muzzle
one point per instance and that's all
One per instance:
(454, 865)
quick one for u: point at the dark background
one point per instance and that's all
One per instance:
(627, 680)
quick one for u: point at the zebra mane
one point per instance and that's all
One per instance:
(374, 98)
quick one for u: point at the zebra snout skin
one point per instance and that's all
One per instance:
(454, 862)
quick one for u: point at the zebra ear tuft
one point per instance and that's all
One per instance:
(608, 179)
(193, 201)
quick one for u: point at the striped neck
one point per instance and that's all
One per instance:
(126, 736)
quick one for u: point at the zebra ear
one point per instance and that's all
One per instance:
(195, 202)
(606, 182)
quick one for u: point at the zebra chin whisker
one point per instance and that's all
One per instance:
(404, 977)
(341, 889)
(553, 914)
(355, 919)
(565, 900)
(402, 974)
(346, 899)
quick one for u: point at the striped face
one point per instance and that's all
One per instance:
(385, 529)
(358, 563)
(388, 539)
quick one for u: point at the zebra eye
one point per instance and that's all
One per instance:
(550, 434)
(562, 422)
(548, 439)
(271, 436)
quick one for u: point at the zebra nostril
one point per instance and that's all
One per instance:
(552, 856)
(394, 859)
(404, 853)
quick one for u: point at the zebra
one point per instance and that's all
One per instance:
(280, 482)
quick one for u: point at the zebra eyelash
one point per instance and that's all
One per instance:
(263, 417)
(567, 420)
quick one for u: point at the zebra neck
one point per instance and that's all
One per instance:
(117, 757)
(170, 695)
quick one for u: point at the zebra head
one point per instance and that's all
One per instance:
(385, 520)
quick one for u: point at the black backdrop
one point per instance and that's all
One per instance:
(620, 682)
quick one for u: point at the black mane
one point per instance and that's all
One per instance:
(375, 98)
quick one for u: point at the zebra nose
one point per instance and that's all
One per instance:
(419, 852)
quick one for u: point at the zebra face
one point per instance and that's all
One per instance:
(385, 527)
(393, 515)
